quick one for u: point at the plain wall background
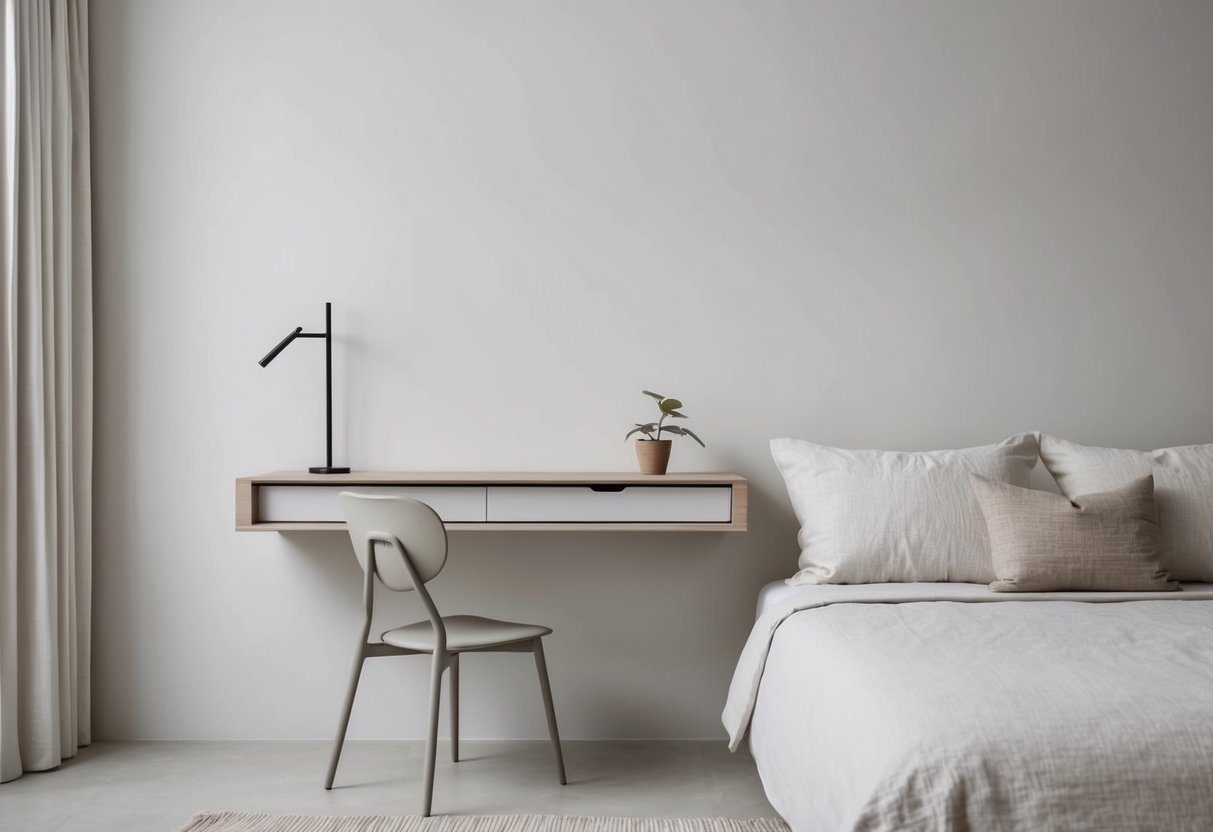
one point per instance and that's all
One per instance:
(870, 224)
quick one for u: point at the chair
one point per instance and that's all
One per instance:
(403, 543)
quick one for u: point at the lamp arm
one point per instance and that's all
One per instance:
(272, 354)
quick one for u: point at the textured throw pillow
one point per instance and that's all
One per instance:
(1043, 542)
(1183, 490)
(884, 516)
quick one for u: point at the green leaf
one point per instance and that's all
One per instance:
(690, 433)
(656, 396)
(677, 431)
(668, 406)
(674, 414)
(647, 430)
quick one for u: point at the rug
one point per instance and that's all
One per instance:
(253, 822)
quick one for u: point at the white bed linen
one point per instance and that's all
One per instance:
(774, 594)
(893, 707)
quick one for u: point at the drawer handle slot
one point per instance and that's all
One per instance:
(609, 489)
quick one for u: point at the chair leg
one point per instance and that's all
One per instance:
(454, 687)
(431, 740)
(546, 688)
(344, 722)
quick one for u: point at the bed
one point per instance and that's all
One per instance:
(931, 666)
(908, 706)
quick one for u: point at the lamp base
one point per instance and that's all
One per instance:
(324, 469)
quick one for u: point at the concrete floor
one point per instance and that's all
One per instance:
(157, 786)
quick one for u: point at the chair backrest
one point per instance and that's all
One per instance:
(412, 522)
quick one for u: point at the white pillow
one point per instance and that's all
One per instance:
(1183, 490)
(894, 516)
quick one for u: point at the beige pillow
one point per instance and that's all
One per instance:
(1183, 487)
(1041, 542)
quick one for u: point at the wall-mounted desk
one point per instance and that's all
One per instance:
(499, 501)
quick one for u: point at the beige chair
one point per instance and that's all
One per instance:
(403, 543)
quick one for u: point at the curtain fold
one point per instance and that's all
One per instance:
(46, 387)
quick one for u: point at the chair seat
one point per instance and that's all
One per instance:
(463, 632)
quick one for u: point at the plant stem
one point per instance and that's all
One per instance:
(659, 423)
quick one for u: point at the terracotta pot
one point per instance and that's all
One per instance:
(654, 455)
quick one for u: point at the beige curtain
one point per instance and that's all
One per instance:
(46, 387)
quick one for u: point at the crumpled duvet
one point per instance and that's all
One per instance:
(946, 706)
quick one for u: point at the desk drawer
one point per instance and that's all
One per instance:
(609, 504)
(319, 503)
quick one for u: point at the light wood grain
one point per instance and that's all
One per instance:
(246, 509)
(492, 478)
(741, 506)
(247, 487)
(514, 527)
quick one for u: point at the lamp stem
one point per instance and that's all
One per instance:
(328, 383)
(328, 394)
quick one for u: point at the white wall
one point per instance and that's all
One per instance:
(869, 224)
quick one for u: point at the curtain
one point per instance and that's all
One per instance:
(46, 387)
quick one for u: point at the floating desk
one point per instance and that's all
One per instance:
(292, 501)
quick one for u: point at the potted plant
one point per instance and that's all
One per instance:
(653, 451)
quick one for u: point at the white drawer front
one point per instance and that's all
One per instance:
(632, 504)
(319, 503)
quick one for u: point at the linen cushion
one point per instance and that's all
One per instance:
(894, 516)
(1043, 542)
(1183, 491)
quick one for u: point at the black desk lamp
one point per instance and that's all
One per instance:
(327, 335)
